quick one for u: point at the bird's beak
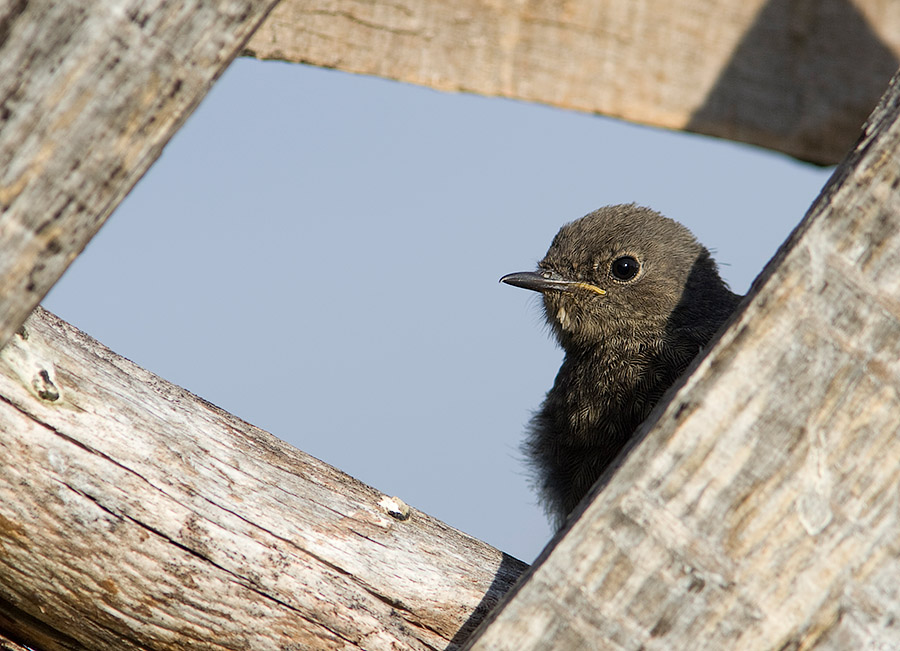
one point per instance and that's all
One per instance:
(545, 281)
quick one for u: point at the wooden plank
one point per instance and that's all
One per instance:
(797, 77)
(89, 95)
(761, 511)
(134, 515)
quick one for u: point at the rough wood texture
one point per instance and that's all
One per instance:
(133, 515)
(762, 510)
(8, 645)
(89, 95)
(798, 76)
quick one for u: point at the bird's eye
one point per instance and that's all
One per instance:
(625, 268)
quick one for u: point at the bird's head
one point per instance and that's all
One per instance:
(621, 271)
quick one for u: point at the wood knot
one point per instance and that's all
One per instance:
(394, 507)
(43, 386)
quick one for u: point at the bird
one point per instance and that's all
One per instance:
(632, 297)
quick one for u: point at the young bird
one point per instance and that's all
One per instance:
(632, 297)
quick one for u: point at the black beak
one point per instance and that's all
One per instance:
(546, 281)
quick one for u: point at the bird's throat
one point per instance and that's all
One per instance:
(562, 317)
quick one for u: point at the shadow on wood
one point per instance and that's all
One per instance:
(791, 86)
(798, 76)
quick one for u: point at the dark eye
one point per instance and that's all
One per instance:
(625, 268)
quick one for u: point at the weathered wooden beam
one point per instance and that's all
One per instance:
(797, 77)
(762, 510)
(134, 515)
(89, 95)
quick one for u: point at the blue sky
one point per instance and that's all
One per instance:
(318, 253)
